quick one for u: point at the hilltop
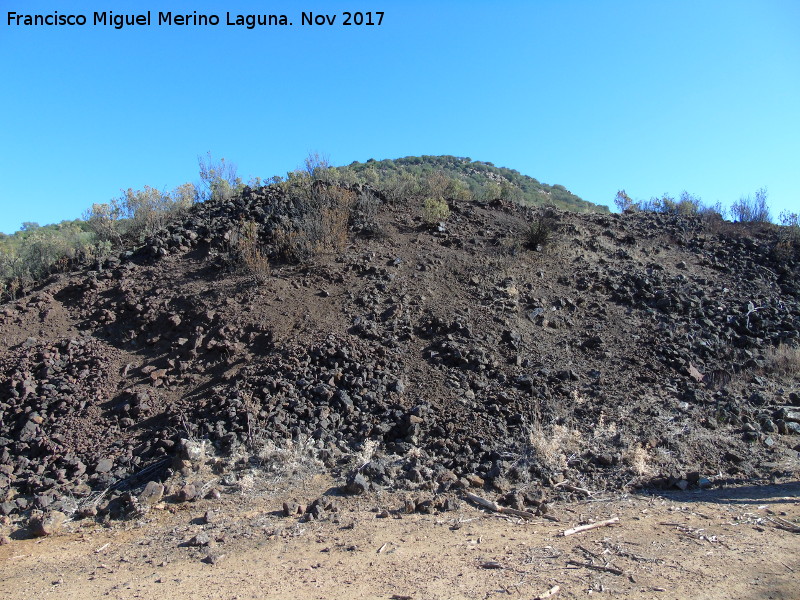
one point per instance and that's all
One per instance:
(480, 179)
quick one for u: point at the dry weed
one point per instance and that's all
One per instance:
(784, 360)
(296, 459)
(638, 459)
(551, 449)
(249, 251)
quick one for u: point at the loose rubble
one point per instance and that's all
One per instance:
(632, 351)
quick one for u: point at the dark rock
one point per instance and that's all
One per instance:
(201, 539)
(357, 484)
(213, 558)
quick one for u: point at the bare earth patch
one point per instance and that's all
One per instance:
(723, 543)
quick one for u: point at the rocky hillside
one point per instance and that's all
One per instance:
(619, 350)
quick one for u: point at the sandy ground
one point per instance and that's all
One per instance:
(723, 543)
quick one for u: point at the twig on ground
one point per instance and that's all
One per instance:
(493, 506)
(784, 524)
(588, 552)
(549, 593)
(582, 528)
(572, 488)
(607, 569)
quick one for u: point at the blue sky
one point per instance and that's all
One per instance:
(654, 97)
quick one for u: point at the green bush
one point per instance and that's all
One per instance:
(35, 252)
(435, 211)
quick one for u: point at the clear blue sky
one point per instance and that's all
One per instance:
(654, 97)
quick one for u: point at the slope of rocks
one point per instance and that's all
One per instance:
(631, 350)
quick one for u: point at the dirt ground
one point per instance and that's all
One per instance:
(721, 543)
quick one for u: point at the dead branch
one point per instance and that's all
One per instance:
(784, 524)
(582, 528)
(572, 488)
(493, 506)
(549, 593)
(613, 570)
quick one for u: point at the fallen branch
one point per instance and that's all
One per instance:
(582, 528)
(572, 488)
(549, 593)
(784, 524)
(493, 506)
(613, 570)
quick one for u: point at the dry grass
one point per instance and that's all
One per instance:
(639, 460)
(250, 254)
(551, 449)
(296, 459)
(784, 360)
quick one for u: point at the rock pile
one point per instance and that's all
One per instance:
(635, 349)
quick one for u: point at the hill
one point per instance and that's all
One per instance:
(432, 344)
(481, 179)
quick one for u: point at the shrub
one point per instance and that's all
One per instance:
(435, 211)
(324, 210)
(249, 253)
(511, 193)
(138, 214)
(687, 205)
(540, 232)
(218, 179)
(752, 210)
(784, 360)
(788, 245)
(624, 202)
(147, 211)
(102, 221)
(712, 212)
(27, 256)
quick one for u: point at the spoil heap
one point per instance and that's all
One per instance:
(635, 349)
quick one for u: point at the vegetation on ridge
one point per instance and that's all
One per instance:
(127, 221)
(326, 207)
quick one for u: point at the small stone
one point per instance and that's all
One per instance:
(104, 465)
(475, 480)
(213, 558)
(290, 509)
(793, 416)
(152, 493)
(193, 451)
(187, 492)
(49, 524)
(200, 540)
